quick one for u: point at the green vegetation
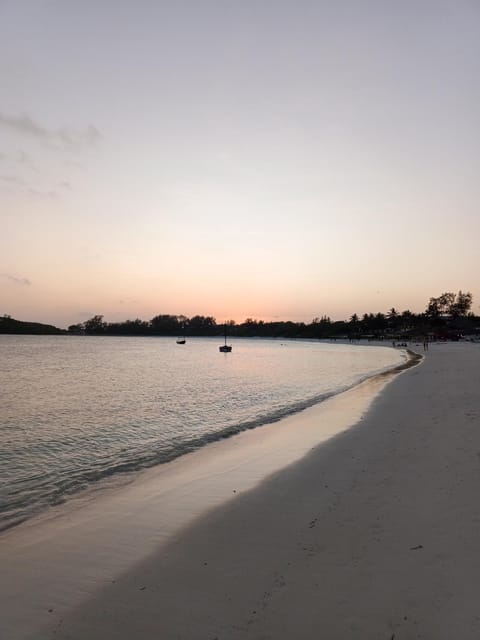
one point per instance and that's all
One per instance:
(445, 317)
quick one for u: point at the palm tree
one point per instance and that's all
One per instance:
(392, 317)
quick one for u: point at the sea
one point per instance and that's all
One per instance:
(79, 411)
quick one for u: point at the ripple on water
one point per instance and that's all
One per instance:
(78, 409)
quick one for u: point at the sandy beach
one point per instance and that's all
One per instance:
(288, 531)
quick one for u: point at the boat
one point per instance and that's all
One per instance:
(225, 348)
(181, 339)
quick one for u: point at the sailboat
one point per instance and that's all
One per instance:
(181, 339)
(225, 348)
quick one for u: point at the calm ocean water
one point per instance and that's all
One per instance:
(76, 410)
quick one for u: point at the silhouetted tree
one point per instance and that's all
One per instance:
(165, 325)
(95, 325)
(76, 328)
(449, 304)
(202, 325)
(462, 304)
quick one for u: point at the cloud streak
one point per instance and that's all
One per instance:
(18, 185)
(15, 180)
(66, 136)
(15, 280)
(42, 195)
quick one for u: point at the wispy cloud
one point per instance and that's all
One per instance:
(15, 280)
(14, 184)
(12, 180)
(42, 195)
(66, 136)
(20, 157)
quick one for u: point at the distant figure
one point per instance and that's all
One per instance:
(425, 344)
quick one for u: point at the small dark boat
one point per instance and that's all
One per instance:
(181, 339)
(225, 348)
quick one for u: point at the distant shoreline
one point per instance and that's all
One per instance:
(432, 325)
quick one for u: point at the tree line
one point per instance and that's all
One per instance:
(447, 316)
(10, 325)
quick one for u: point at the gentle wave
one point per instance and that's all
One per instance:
(56, 444)
(21, 507)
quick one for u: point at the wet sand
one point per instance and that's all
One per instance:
(371, 533)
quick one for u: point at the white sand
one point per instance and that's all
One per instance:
(373, 534)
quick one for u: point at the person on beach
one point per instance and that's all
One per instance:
(425, 343)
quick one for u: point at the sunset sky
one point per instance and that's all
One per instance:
(267, 159)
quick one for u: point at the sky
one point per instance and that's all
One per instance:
(282, 159)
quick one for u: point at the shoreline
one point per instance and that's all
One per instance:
(118, 478)
(372, 534)
(91, 540)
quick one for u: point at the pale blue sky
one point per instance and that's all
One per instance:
(265, 159)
